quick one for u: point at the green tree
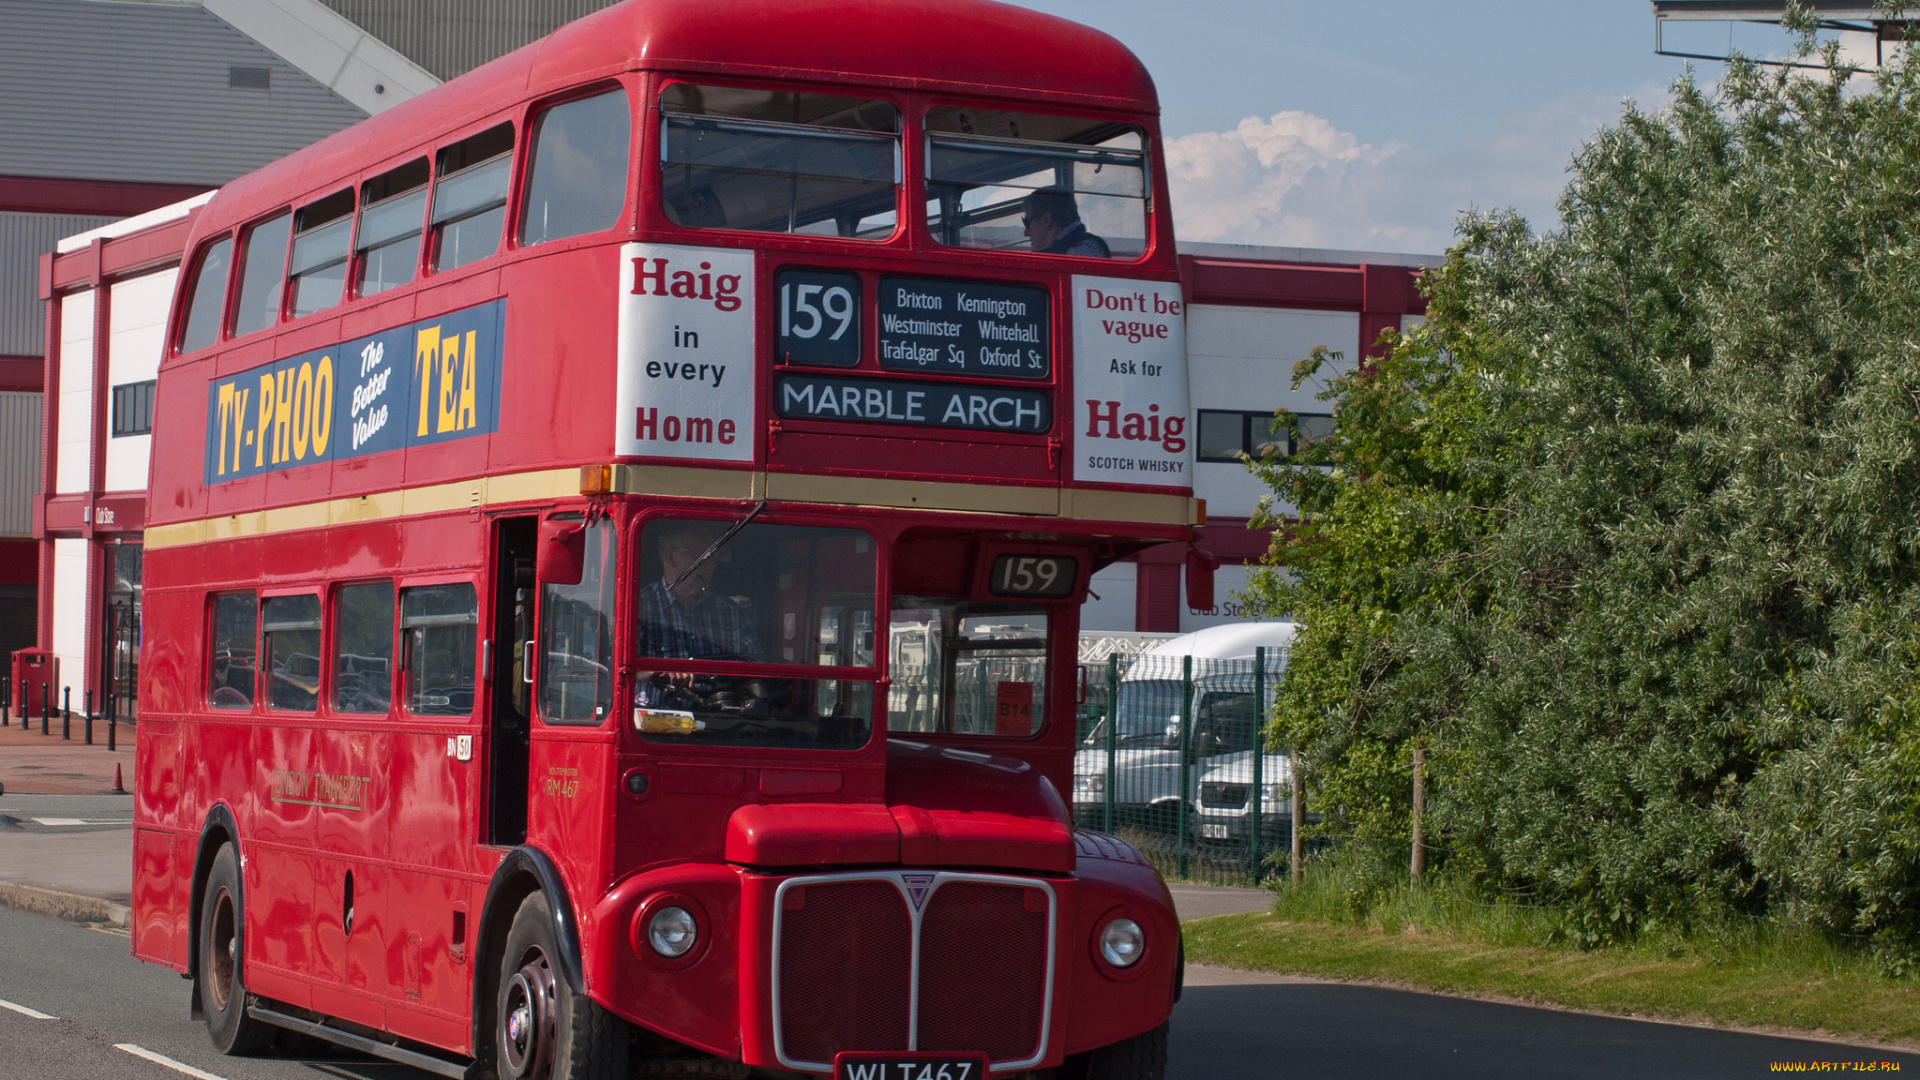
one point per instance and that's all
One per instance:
(1629, 532)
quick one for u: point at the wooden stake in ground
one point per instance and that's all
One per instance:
(1419, 811)
(1299, 818)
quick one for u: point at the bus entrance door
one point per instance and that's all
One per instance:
(511, 699)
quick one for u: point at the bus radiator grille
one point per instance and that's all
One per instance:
(844, 981)
(983, 970)
(846, 949)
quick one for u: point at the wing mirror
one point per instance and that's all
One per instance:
(562, 553)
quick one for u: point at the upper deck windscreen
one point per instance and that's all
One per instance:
(1057, 185)
(770, 161)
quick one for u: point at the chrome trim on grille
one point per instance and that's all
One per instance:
(896, 879)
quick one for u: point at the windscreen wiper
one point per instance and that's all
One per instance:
(714, 547)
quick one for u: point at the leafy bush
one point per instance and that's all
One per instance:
(1628, 533)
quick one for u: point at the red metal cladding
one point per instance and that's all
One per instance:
(983, 970)
(964, 44)
(844, 976)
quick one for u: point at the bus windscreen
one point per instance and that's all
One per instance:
(767, 161)
(1027, 182)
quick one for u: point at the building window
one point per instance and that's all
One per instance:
(249, 78)
(133, 409)
(1224, 435)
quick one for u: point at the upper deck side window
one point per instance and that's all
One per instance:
(772, 161)
(393, 211)
(1057, 185)
(577, 174)
(263, 260)
(317, 273)
(206, 296)
(470, 197)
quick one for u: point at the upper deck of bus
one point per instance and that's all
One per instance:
(561, 309)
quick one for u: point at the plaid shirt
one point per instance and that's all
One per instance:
(715, 627)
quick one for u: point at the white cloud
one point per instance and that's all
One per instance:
(1295, 179)
(1234, 186)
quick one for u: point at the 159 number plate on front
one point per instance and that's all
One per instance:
(881, 1065)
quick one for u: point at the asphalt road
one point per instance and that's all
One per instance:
(1231, 1026)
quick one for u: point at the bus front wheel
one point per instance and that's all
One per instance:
(544, 1029)
(1143, 1057)
(223, 993)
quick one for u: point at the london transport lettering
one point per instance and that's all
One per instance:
(685, 353)
(428, 382)
(1130, 382)
(964, 328)
(919, 404)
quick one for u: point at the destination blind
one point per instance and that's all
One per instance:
(913, 404)
(933, 326)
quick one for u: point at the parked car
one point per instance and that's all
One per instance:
(1150, 712)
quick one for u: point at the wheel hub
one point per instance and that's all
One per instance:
(527, 1021)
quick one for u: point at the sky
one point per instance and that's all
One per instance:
(1371, 124)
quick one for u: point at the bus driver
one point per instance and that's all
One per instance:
(680, 616)
(1053, 226)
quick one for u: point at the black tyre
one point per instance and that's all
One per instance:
(223, 993)
(1143, 1057)
(543, 1030)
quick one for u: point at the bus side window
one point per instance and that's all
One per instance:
(577, 176)
(470, 197)
(263, 260)
(439, 628)
(576, 638)
(393, 207)
(317, 273)
(230, 648)
(290, 645)
(206, 296)
(363, 648)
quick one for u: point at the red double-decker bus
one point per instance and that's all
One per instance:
(616, 534)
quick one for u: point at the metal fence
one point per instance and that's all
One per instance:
(1172, 759)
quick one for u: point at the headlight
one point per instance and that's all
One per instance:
(1281, 794)
(1089, 784)
(1122, 942)
(671, 931)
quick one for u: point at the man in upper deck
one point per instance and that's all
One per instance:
(1053, 226)
(680, 616)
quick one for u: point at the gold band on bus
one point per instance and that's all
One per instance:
(548, 485)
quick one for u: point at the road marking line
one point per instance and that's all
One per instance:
(59, 821)
(162, 1059)
(24, 1011)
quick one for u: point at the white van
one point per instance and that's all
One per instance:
(1150, 712)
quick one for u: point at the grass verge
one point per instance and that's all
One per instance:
(1750, 977)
